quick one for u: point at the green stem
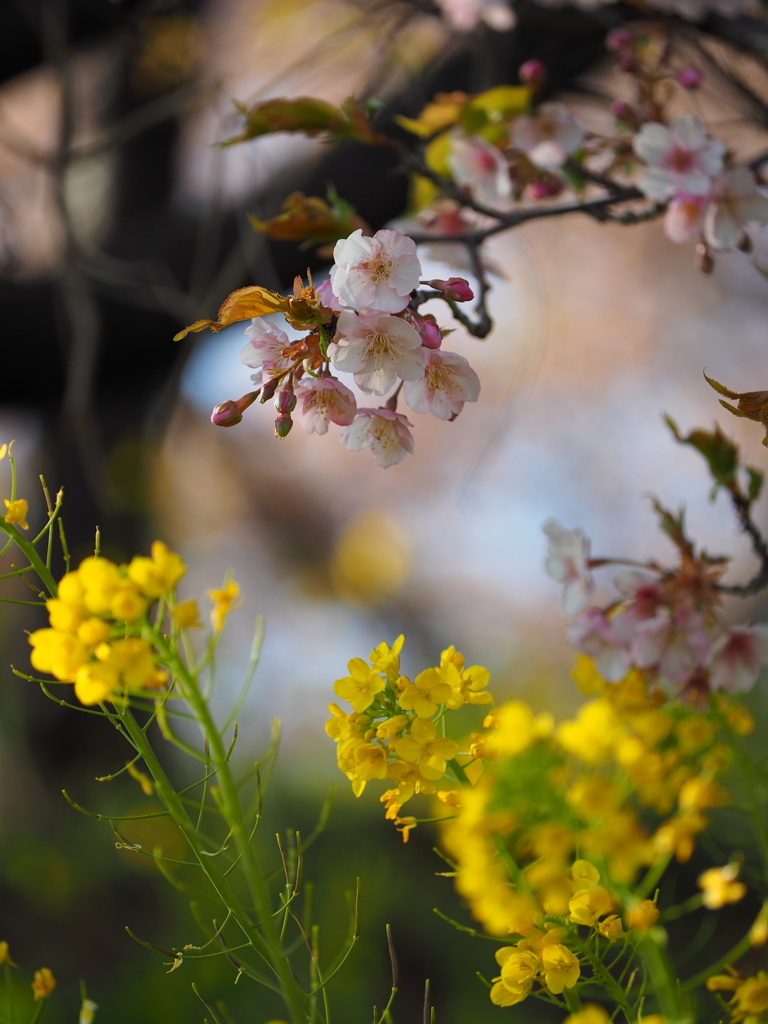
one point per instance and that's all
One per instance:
(233, 814)
(731, 957)
(267, 947)
(755, 807)
(34, 559)
(606, 980)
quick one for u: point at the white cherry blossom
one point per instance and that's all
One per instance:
(735, 202)
(737, 657)
(681, 158)
(568, 562)
(674, 642)
(549, 136)
(385, 432)
(448, 382)
(265, 348)
(324, 400)
(594, 634)
(376, 273)
(479, 167)
(378, 349)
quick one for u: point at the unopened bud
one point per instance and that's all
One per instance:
(229, 413)
(689, 78)
(620, 40)
(704, 261)
(545, 189)
(627, 62)
(283, 425)
(268, 390)
(455, 288)
(431, 336)
(285, 401)
(624, 113)
(533, 73)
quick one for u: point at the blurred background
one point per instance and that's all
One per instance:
(121, 220)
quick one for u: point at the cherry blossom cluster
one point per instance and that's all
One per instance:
(499, 15)
(525, 149)
(374, 332)
(664, 622)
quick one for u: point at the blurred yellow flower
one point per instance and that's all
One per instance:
(5, 956)
(224, 600)
(16, 512)
(720, 886)
(43, 983)
(187, 615)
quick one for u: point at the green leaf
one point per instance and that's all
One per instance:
(721, 454)
(755, 482)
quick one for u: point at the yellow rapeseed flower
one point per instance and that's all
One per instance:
(361, 686)
(5, 956)
(224, 600)
(186, 615)
(642, 916)
(720, 886)
(88, 1012)
(561, 968)
(590, 1013)
(43, 984)
(16, 512)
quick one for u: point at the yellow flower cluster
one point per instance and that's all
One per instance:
(540, 956)
(394, 730)
(749, 1002)
(551, 793)
(97, 604)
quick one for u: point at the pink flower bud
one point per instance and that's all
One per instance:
(545, 189)
(689, 78)
(430, 334)
(627, 62)
(624, 113)
(620, 40)
(268, 390)
(283, 425)
(229, 413)
(285, 401)
(533, 73)
(455, 288)
(226, 414)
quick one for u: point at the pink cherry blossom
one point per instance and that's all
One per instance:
(448, 382)
(385, 432)
(549, 136)
(324, 400)
(594, 634)
(737, 657)
(681, 158)
(643, 594)
(735, 202)
(479, 167)
(567, 562)
(675, 643)
(378, 349)
(266, 346)
(376, 273)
